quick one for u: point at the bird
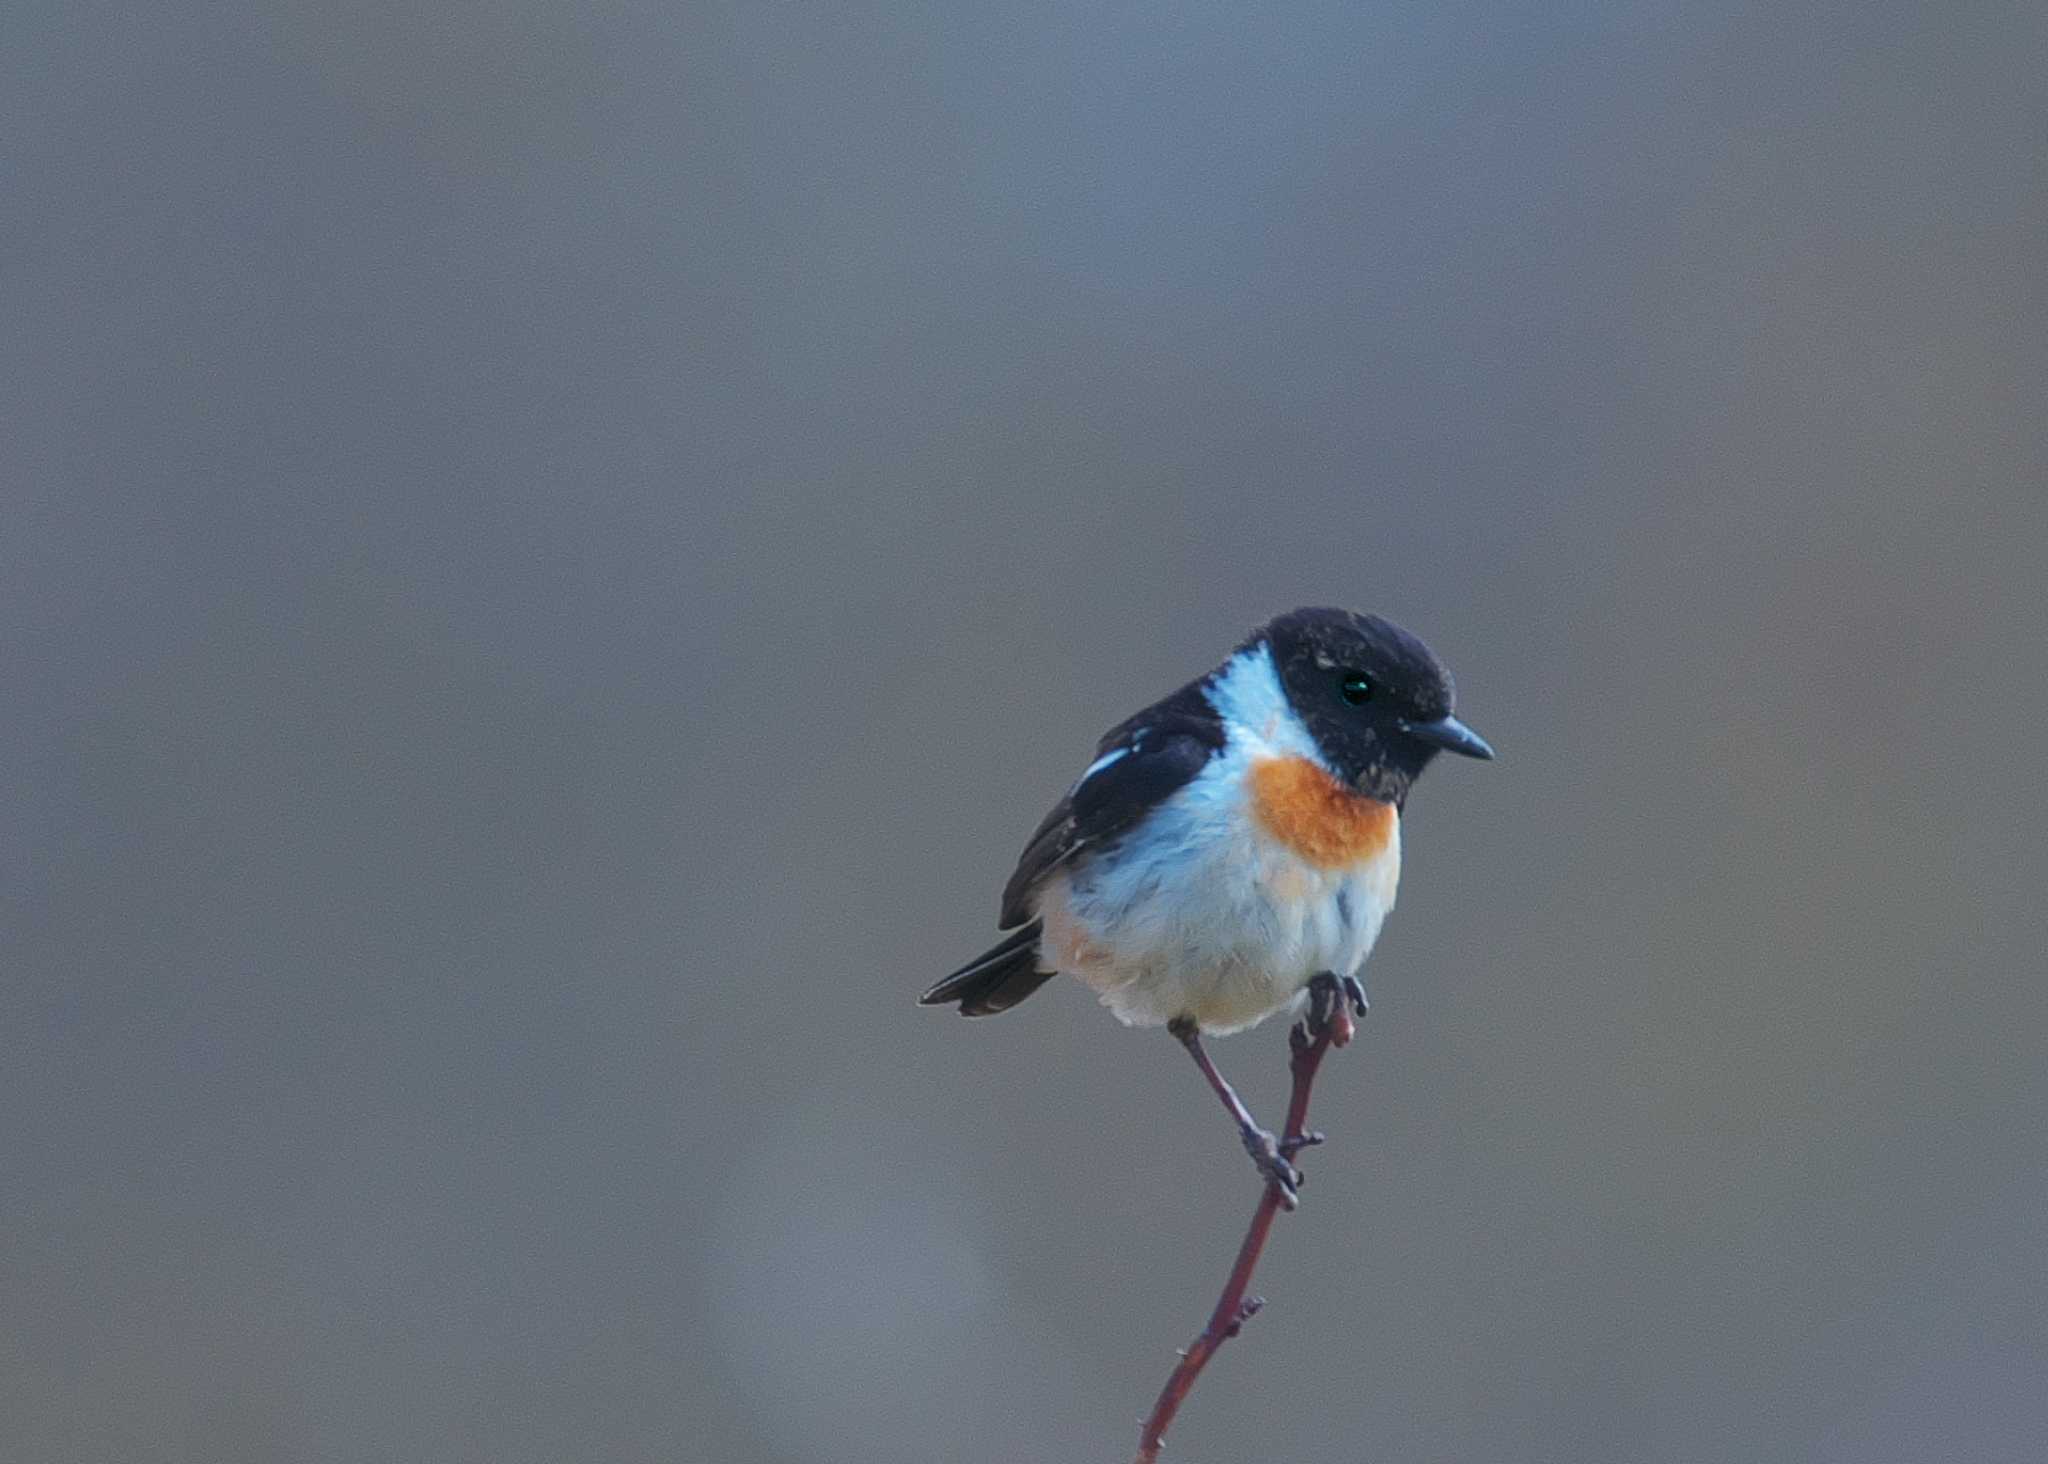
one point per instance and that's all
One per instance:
(1232, 844)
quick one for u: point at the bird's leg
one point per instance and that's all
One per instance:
(1269, 1155)
(1333, 1001)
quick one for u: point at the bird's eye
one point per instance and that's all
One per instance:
(1355, 687)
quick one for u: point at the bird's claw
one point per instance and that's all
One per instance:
(1271, 1158)
(1335, 1003)
(1294, 1143)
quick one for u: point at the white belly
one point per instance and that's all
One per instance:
(1203, 916)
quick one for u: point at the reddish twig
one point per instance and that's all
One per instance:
(1328, 1024)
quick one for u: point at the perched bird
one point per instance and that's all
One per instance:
(1231, 843)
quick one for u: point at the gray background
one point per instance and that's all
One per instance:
(552, 555)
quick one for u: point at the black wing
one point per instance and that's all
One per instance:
(1138, 766)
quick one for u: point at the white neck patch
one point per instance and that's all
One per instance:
(1247, 694)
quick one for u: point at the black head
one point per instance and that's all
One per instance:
(1377, 700)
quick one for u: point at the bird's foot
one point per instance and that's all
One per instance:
(1294, 1143)
(1271, 1157)
(1331, 1002)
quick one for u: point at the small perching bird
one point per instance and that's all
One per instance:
(1231, 843)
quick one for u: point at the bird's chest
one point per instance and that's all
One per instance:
(1322, 862)
(1293, 806)
(1235, 894)
(1272, 866)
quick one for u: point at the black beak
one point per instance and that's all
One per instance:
(1451, 735)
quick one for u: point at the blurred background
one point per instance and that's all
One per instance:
(552, 556)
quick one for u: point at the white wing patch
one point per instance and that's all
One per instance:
(1113, 756)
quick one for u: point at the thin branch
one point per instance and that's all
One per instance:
(1328, 1024)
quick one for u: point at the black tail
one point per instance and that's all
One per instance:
(996, 981)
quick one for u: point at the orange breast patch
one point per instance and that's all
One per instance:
(1316, 816)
